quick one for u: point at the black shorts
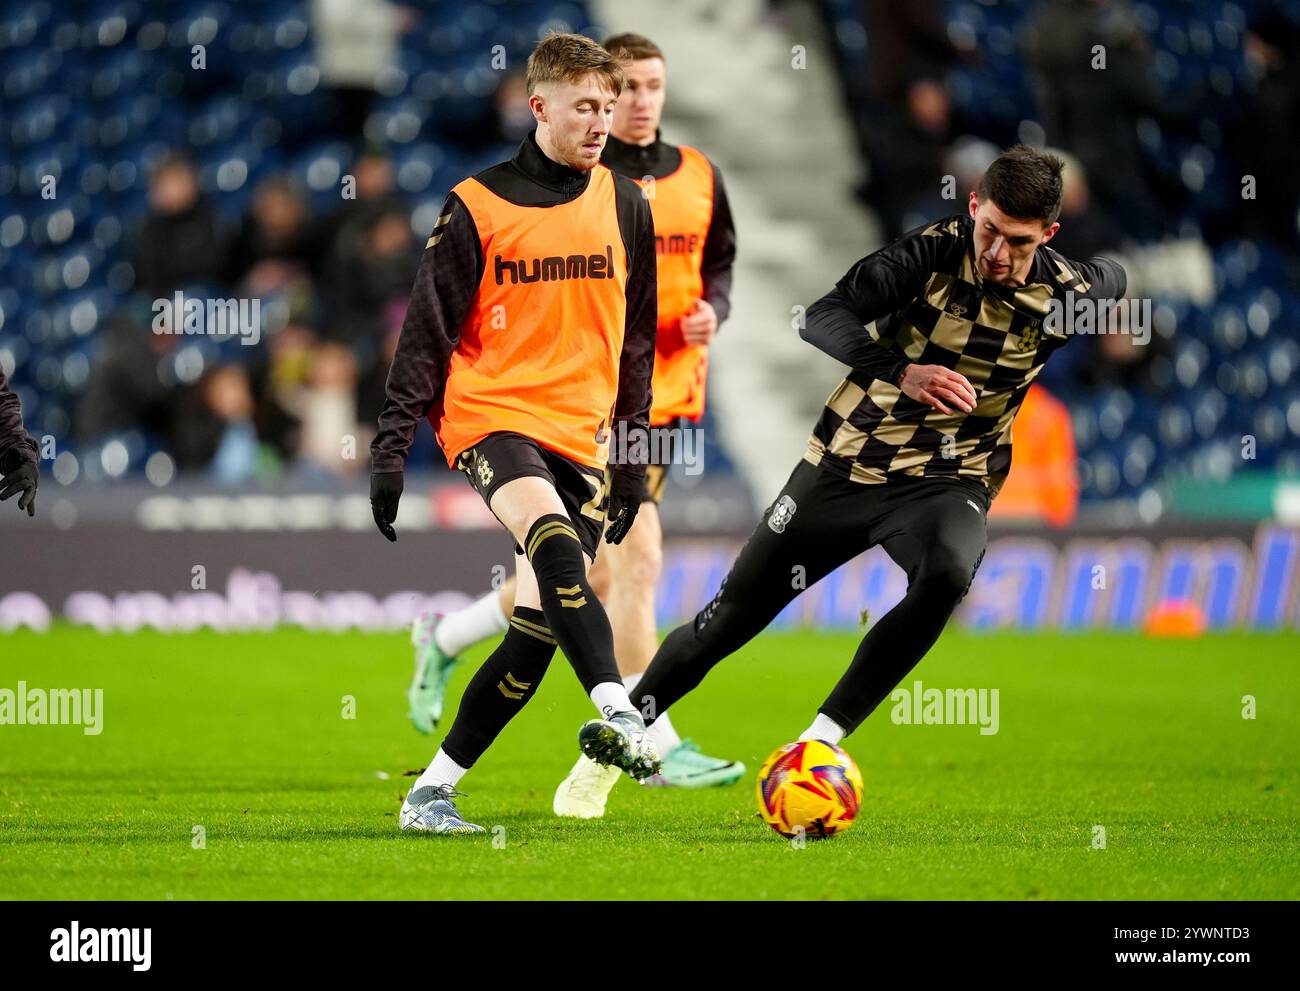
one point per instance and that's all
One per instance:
(502, 457)
(821, 520)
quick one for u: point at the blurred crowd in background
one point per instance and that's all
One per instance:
(1179, 125)
(1159, 109)
(332, 288)
(284, 167)
(305, 163)
(1123, 88)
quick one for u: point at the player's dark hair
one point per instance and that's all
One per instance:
(632, 47)
(1025, 183)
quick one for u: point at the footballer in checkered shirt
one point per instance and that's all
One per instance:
(914, 444)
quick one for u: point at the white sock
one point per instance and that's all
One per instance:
(442, 770)
(463, 628)
(662, 731)
(630, 682)
(611, 697)
(664, 734)
(823, 728)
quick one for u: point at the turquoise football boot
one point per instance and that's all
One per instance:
(432, 668)
(685, 767)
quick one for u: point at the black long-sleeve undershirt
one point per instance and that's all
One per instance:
(13, 437)
(719, 258)
(444, 287)
(840, 323)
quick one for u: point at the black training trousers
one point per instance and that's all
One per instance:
(934, 528)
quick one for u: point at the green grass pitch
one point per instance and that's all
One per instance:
(244, 736)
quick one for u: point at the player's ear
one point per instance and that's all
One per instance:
(974, 203)
(538, 106)
(1050, 232)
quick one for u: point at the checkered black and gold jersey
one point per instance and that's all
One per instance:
(931, 306)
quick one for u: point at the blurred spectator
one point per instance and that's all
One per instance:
(967, 160)
(326, 405)
(506, 119)
(910, 145)
(1120, 359)
(1266, 142)
(371, 388)
(371, 263)
(375, 175)
(908, 41)
(514, 116)
(179, 240)
(215, 427)
(375, 187)
(126, 387)
(1087, 227)
(278, 429)
(354, 40)
(906, 124)
(274, 242)
(1093, 112)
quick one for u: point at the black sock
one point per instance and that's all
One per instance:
(898, 640)
(672, 673)
(748, 599)
(501, 686)
(572, 610)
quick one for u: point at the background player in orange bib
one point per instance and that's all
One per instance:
(695, 249)
(531, 319)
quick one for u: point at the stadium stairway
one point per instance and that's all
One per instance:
(783, 141)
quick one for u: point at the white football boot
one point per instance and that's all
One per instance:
(431, 810)
(583, 793)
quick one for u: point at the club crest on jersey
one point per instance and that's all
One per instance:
(782, 513)
(957, 310)
(1030, 335)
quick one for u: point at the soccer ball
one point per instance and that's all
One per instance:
(810, 788)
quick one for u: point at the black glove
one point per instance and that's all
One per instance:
(20, 475)
(385, 493)
(625, 493)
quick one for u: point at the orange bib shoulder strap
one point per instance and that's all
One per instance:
(478, 201)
